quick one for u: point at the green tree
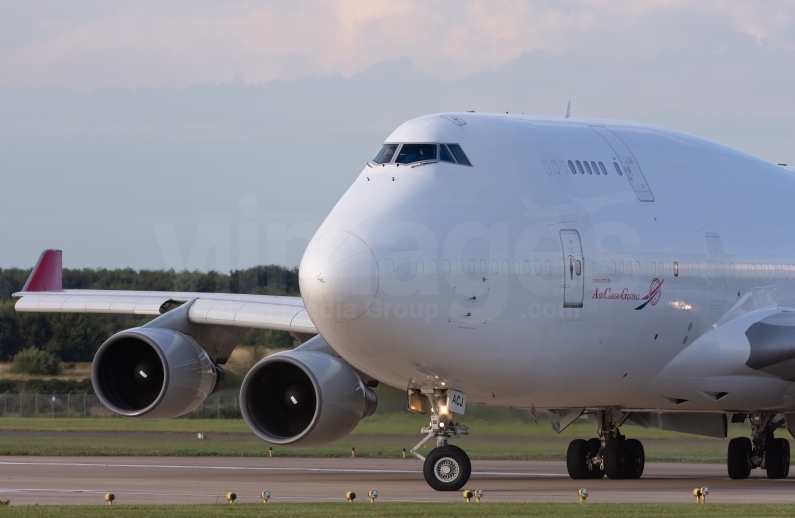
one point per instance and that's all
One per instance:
(76, 337)
(11, 340)
(35, 361)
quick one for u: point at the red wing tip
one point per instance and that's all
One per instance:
(47, 274)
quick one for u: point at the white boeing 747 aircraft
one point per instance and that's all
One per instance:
(595, 269)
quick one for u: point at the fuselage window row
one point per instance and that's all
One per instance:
(611, 268)
(591, 167)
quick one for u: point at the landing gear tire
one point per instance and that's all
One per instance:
(615, 459)
(447, 468)
(577, 459)
(596, 471)
(635, 459)
(739, 458)
(777, 458)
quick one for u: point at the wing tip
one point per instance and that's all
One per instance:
(47, 275)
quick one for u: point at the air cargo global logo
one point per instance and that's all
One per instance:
(653, 297)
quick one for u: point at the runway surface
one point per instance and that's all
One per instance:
(84, 480)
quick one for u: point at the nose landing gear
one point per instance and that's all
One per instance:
(763, 451)
(447, 467)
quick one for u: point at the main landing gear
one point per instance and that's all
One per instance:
(447, 467)
(609, 454)
(763, 451)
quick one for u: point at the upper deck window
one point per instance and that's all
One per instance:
(410, 153)
(385, 154)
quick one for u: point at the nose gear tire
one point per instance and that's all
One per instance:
(447, 468)
(739, 458)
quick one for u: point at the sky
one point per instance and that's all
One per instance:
(218, 135)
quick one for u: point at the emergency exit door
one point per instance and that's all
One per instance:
(573, 266)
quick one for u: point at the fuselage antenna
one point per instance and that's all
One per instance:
(568, 110)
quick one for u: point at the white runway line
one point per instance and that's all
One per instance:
(259, 468)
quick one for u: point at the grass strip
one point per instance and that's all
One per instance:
(403, 423)
(379, 436)
(384, 509)
(64, 445)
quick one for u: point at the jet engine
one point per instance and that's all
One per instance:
(304, 397)
(153, 373)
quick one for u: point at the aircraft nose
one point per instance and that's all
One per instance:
(338, 277)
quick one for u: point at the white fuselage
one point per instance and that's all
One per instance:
(452, 276)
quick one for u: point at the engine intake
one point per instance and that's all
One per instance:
(153, 373)
(304, 397)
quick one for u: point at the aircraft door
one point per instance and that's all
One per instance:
(573, 269)
(628, 163)
(715, 263)
(717, 285)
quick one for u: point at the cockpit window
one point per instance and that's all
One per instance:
(410, 153)
(459, 155)
(385, 154)
(420, 154)
(444, 154)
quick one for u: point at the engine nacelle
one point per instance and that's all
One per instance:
(304, 397)
(152, 373)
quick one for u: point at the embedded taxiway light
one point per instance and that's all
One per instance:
(373, 494)
(231, 497)
(350, 496)
(468, 495)
(478, 495)
(701, 494)
(583, 494)
(109, 498)
(266, 495)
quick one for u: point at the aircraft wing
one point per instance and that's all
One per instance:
(44, 293)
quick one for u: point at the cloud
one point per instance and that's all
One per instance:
(89, 45)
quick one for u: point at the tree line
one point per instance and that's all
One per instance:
(76, 337)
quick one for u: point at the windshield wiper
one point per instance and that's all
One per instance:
(424, 162)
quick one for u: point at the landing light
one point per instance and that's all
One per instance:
(443, 409)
